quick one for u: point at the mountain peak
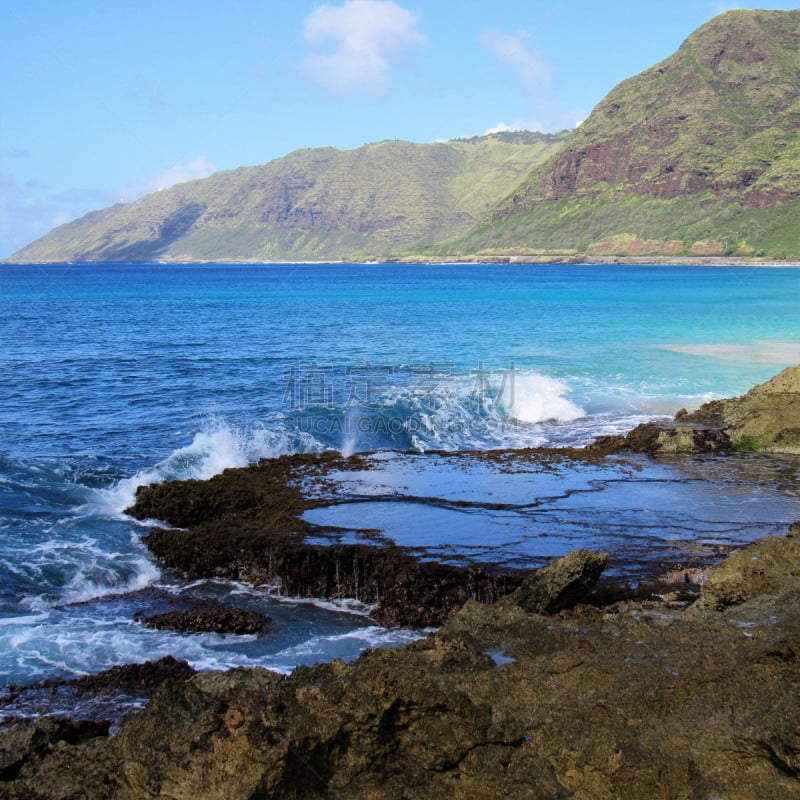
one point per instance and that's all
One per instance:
(722, 115)
(697, 156)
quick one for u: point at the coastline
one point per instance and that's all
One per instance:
(548, 687)
(654, 260)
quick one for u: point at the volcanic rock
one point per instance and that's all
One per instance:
(562, 584)
(768, 566)
(766, 419)
(211, 618)
(586, 704)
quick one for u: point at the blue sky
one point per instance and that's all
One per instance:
(102, 102)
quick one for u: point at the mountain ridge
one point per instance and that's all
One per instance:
(722, 113)
(696, 157)
(311, 204)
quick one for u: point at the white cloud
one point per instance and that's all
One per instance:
(518, 125)
(722, 6)
(364, 40)
(31, 210)
(198, 167)
(545, 112)
(513, 50)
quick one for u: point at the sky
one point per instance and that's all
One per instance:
(103, 102)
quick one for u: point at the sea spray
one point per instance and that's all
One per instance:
(536, 398)
(213, 449)
(113, 376)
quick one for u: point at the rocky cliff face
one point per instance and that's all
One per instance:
(722, 116)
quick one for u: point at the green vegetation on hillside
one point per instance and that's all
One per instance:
(630, 225)
(313, 204)
(697, 156)
(722, 114)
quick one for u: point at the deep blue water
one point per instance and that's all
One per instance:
(114, 375)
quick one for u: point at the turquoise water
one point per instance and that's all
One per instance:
(114, 375)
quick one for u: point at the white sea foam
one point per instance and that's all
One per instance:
(533, 398)
(82, 587)
(502, 408)
(212, 450)
(318, 647)
(344, 606)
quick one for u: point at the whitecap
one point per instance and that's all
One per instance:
(217, 447)
(532, 398)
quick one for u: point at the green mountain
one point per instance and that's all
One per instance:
(698, 155)
(312, 204)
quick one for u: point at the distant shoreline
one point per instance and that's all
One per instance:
(656, 261)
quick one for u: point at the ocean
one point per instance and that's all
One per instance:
(112, 376)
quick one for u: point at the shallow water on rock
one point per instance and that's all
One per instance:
(515, 511)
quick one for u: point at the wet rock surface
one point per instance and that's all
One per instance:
(766, 419)
(103, 698)
(587, 704)
(209, 617)
(245, 525)
(524, 691)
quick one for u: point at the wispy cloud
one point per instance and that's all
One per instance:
(24, 216)
(722, 6)
(13, 152)
(198, 167)
(355, 45)
(516, 125)
(31, 210)
(517, 52)
(195, 168)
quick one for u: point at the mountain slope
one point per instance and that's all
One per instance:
(311, 204)
(700, 153)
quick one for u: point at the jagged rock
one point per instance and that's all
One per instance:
(562, 584)
(766, 419)
(768, 566)
(245, 525)
(586, 704)
(653, 437)
(147, 676)
(25, 740)
(211, 618)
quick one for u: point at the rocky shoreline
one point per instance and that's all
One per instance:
(535, 684)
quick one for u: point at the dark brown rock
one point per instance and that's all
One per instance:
(25, 741)
(211, 618)
(245, 525)
(588, 704)
(147, 676)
